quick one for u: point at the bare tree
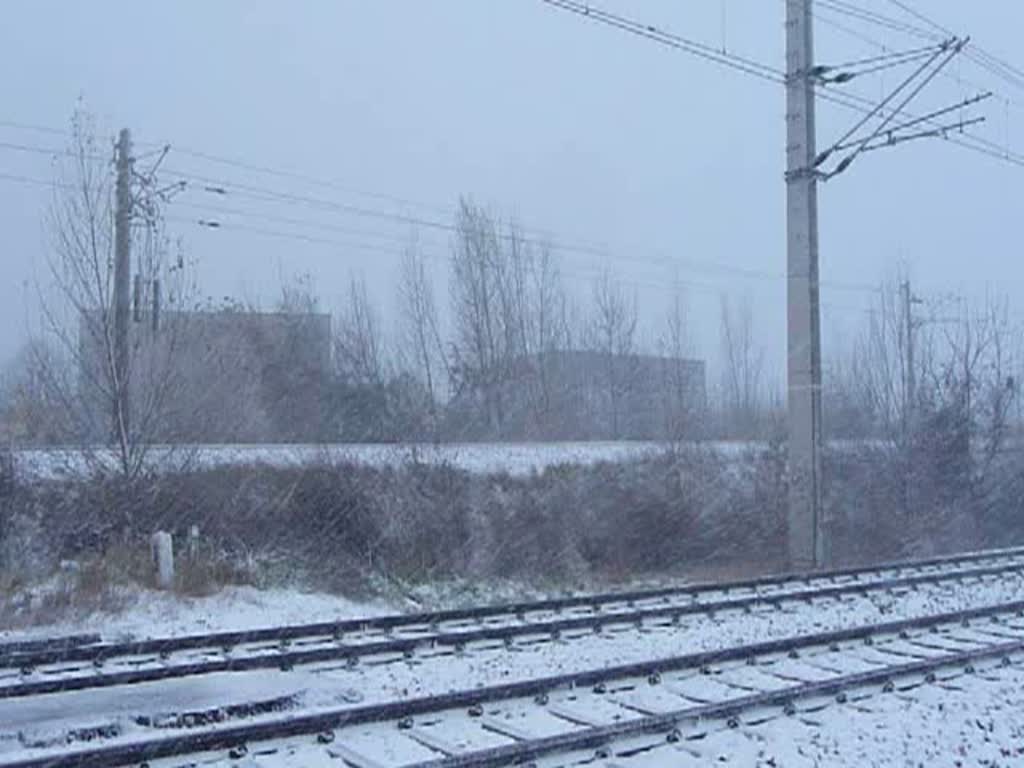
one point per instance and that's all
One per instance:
(880, 362)
(420, 344)
(78, 314)
(742, 371)
(612, 334)
(295, 381)
(27, 411)
(548, 333)
(510, 317)
(681, 399)
(359, 354)
(958, 353)
(974, 377)
(943, 422)
(361, 369)
(298, 296)
(849, 417)
(473, 295)
(485, 325)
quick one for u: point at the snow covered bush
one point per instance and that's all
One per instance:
(351, 528)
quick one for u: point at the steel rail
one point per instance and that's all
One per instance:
(392, 622)
(284, 657)
(8, 648)
(324, 722)
(601, 736)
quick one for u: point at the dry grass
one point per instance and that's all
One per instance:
(342, 528)
(70, 595)
(363, 532)
(107, 584)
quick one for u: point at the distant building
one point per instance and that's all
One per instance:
(585, 395)
(218, 376)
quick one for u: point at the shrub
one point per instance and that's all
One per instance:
(344, 526)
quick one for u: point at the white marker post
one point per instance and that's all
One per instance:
(163, 559)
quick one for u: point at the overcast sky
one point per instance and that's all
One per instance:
(671, 164)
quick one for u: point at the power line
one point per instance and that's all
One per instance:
(649, 31)
(962, 138)
(871, 17)
(301, 237)
(890, 61)
(898, 109)
(306, 178)
(242, 165)
(16, 178)
(692, 47)
(220, 187)
(927, 118)
(881, 106)
(966, 140)
(33, 127)
(746, 65)
(977, 55)
(998, 68)
(210, 157)
(297, 236)
(298, 222)
(825, 19)
(48, 151)
(222, 160)
(581, 274)
(1015, 73)
(324, 204)
(662, 261)
(957, 79)
(885, 57)
(980, 56)
(919, 16)
(208, 208)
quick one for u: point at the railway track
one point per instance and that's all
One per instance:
(10, 647)
(66, 668)
(597, 715)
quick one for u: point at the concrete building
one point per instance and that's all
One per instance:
(586, 395)
(219, 376)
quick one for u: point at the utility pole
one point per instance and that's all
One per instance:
(808, 530)
(909, 393)
(808, 544)
(122, 283)
(910, 374)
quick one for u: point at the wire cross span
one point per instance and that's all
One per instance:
(916, 82)
(825, 78)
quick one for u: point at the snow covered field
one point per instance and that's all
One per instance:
(514, 458)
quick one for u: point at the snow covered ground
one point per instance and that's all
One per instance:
(851, 738)
(150, 613)
(446, 671)
(514, 458)
(976, 721)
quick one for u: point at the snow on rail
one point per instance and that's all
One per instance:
(446, 669)
(622, 711)
(408, 636)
